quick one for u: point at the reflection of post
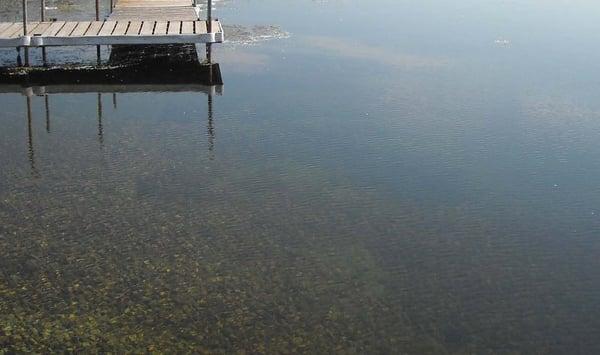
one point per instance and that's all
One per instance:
(114, 100)
(210, 65)
(211, 127)
(47, 105)
(31, 151)
(100, 128)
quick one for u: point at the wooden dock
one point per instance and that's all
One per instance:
(130, 22)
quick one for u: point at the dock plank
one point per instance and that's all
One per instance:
(4, 25)
(147, 28)
(161, 28)
(120, 28)
(53, 29)
(134, 28)
(153, 3)
(12, 29)
(200, 27)
(156, 14)
(66, 30)
(108, 28)
(94, 29)
(174, 28)
(81, 28)
(43, 26)
(31, 26)
(17, 31)
(187, 28)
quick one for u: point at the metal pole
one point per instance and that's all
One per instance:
(43, 10)
(98, 19)
(209, 15)
(209, 28)
(26, 50)
(43, 18)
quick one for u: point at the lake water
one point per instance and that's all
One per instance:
(382, 176)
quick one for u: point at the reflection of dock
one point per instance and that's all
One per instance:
(31, 93)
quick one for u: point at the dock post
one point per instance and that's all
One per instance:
(43, 18)
(98, 19)
(209, 45)
(209, 15)
(25, 49)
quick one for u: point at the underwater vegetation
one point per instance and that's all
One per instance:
(152, 253)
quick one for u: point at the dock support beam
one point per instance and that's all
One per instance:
(25, 49)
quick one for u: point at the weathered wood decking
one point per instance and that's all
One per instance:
(164, 10)
(130, 22)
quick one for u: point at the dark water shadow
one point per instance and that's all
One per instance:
(146, 65)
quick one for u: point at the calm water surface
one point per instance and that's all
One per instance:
(377, 177)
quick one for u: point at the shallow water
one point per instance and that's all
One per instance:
(377, 177)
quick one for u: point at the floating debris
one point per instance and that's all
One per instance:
(237, 34)
(502, 42)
